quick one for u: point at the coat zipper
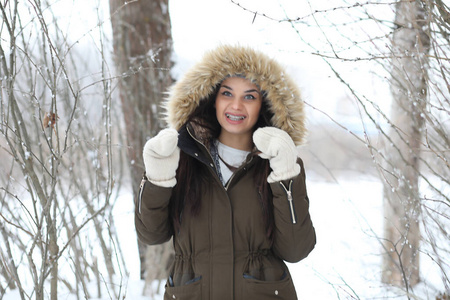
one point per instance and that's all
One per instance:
(237, 171)
(290, 200)
(203, 145)
(229, 181)
(225, 188)
(141, 191)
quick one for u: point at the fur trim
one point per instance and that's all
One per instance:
(199, 82)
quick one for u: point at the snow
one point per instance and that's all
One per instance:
(347, 214)
(345, 263)
(346, 218)
(346, 259)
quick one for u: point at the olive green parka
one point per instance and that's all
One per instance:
(224, 252)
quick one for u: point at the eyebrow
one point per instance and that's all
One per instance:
(248, 91)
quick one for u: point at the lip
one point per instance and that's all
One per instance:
(235, 118)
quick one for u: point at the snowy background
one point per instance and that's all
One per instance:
(346, 201)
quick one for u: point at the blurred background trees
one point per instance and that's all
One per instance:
(409, 88)
(59, 158)
(77, 108)
(409, 148)
(142, 40)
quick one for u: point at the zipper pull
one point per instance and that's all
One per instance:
(290, 200)
(291, 206)
(141, 190)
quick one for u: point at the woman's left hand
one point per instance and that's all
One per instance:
(277, 146)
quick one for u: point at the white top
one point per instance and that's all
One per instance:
(233, 157)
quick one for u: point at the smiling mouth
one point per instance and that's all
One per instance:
(235, 118)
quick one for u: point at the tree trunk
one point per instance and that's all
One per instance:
(143, 48)
(410, 45)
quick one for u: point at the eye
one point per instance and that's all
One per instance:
(226, 93)
(250, 97)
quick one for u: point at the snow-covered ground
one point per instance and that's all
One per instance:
(347, 214)
(345, 264)
(346, 261)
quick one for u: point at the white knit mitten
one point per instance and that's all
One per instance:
(161, 157)
(277, 146)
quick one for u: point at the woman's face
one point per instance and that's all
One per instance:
(238, 104)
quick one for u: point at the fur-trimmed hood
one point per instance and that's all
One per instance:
(197, 84)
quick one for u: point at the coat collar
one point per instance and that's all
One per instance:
(194, 145)
(195, 141)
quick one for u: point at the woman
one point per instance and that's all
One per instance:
(225, 182)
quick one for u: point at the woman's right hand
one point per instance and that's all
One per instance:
(161, 156)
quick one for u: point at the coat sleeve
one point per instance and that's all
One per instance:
(294, 234)
(152, 220)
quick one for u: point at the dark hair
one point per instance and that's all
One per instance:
(191, 173)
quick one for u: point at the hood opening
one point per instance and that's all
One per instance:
(200, 83)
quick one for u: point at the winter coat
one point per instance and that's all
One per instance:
(224, 252)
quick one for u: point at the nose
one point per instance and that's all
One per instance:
(236, 104)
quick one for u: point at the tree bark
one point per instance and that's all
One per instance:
(143, 49)
(410, 45)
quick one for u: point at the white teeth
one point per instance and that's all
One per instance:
(235, 118)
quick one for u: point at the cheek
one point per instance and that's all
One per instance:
(217, 114)
(257, 110)
(218, 104)
(218, 107)
(219, 111)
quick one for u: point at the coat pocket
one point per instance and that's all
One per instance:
(260, 289)
(190, 290)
